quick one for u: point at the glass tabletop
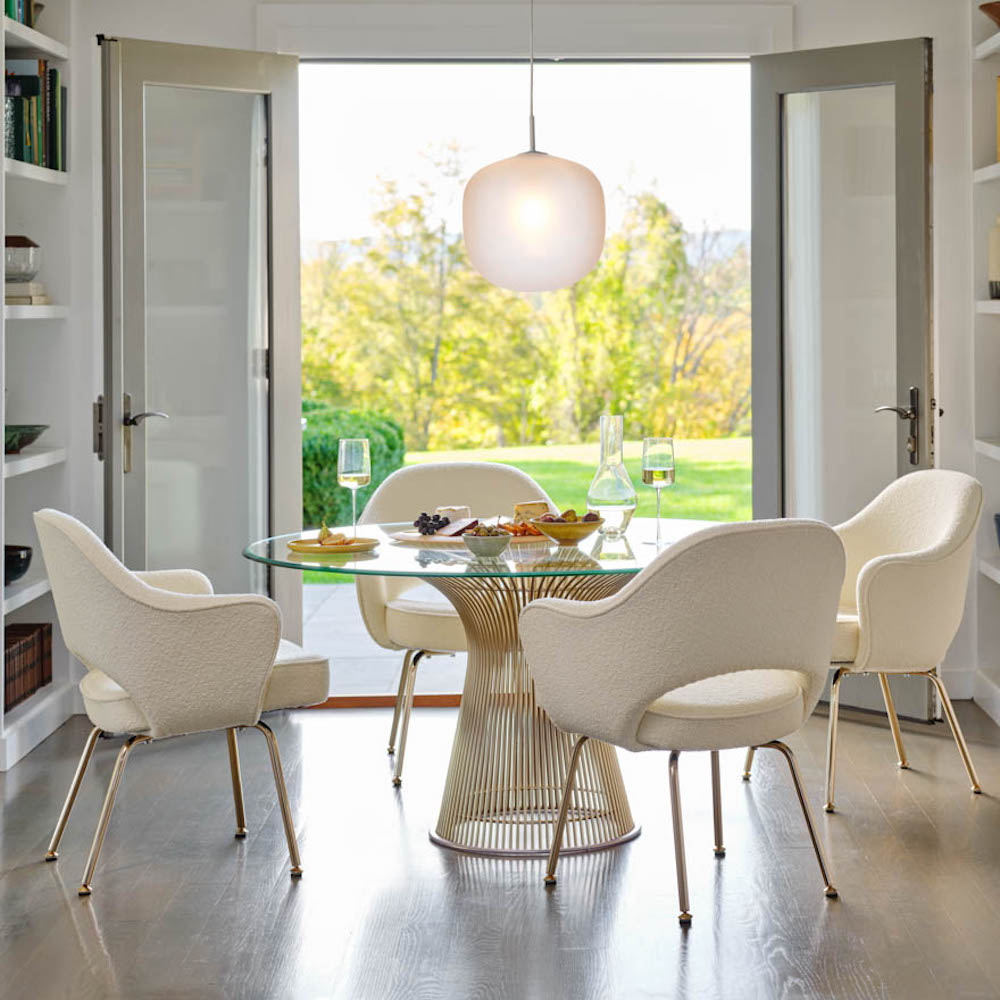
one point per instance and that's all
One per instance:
(391, 557)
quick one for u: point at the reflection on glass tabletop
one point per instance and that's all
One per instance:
(594, 555)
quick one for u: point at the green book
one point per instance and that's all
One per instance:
(10, 8)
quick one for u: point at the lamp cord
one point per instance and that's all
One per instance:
(531, 75)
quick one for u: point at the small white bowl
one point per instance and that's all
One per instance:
(487, 546)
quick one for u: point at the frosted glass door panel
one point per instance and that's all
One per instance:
(206, 333)
(839, 341)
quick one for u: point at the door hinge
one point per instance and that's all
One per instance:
(98, 417)
(262, 362)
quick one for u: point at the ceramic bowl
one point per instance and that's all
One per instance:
(567, 532)
(18, 436)
(487, 546)
(16, 560)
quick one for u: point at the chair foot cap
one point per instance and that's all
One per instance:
(390, 750)
(830, 892)
(828, 807)
(84, 890)
(903, 765)
(746, 775)
(241, 832)
(51, 855)
(396, 782)
(685, 917)
(550, 879)
(296, 871)
(976, 790)
(720, 852)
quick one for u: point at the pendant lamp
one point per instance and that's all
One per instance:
(533, 222)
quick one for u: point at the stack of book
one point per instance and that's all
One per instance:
(34, 114)
(25, 293)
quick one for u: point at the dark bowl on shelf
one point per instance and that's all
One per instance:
(16, 560)
(18, 436)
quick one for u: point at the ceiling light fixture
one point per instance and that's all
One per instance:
(533, 222)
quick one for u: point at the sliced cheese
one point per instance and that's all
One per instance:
(453, 513)
(524, 512)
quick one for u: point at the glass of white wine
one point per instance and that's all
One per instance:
(354, 471)
(658, 470)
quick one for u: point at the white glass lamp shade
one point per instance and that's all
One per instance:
(533, 222)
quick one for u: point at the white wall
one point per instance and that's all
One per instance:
(817, 23)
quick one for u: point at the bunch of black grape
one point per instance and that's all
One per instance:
(427, 524)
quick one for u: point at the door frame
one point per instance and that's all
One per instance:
(127, 66)
(907, 64)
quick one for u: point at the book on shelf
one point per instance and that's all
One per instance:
(35, 113)
(22, 11)
(27, 300)
(23, 288)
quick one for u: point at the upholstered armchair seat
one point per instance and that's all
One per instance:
(731, 710)
(298, 679)
(846, 638)
(425, 624)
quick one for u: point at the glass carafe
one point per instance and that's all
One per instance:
(611, 494)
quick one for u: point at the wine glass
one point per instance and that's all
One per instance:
(354, 471)
(658, 470)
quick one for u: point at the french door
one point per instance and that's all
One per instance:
(199, 423)
(843, 398)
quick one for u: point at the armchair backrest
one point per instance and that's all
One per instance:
(190, 662)
(745, 596)
(488, 488)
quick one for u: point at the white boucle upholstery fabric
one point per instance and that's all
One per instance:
(755, 596)
(298, 679)
(732, 710)
(488, 488)
(845, 639)
(190, 661)
(908, 555)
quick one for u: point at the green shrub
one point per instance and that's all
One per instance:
(322, 498)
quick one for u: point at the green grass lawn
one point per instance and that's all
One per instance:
(713, 478)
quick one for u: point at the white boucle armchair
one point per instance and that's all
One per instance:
(722, 641)
(908, 558)
(167, 657)
(424, 626)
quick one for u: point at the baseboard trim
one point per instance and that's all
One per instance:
(388, 700)
(986, 694)
(960, 682)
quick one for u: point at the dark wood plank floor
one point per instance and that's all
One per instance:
(181, 909)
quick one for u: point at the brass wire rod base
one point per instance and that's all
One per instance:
(748, 763)
(52, 853)
(235, 774)
(824, 867)
(509, 762)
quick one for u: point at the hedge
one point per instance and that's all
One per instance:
(322, 498)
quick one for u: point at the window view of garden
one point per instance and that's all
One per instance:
(433, 361)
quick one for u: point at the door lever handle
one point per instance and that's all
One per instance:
(133, 420)
(898, 410)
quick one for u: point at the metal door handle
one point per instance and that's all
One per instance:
(130, 420)
(912, 414)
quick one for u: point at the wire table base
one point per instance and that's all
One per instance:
(508, 761)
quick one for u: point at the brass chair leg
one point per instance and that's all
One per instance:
(400, 695)
(407, 709)
(720, 851)
(234, 770)
(890, 710)
(81, 768)
(109, 802)
(557, 834)
(831, 737)
(748, 763)
(956, 729)
(675, 810)
(824, 867)
(279, 784)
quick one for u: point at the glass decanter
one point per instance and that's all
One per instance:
(611, 494)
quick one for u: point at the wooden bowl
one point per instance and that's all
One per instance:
(992, 11)
(567, 532)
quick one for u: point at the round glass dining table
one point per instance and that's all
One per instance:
(508, 761)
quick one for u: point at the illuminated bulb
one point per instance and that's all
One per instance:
(533, 222)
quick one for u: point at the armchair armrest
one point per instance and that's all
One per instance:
(180, 581)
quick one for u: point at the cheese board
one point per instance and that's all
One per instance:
(413, 537)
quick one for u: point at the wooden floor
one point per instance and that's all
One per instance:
(181, 909)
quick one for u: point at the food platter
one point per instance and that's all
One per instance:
(413, 537)
(312, 546)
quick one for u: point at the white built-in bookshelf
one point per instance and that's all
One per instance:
(986, 208)
(36, 379)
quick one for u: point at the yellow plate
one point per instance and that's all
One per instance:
(313, 547)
